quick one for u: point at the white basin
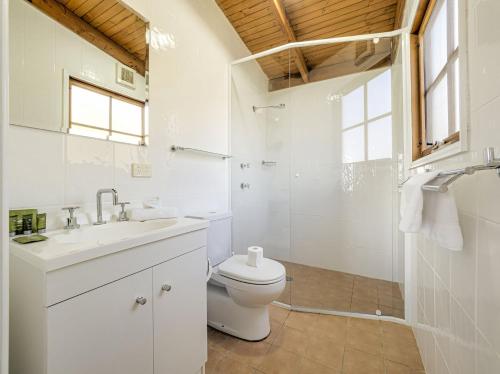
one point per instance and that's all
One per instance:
(67, 247)
(110, 232)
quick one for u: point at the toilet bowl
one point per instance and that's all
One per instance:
(239, 295)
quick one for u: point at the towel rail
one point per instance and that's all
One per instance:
(445, 178)
(176, 148)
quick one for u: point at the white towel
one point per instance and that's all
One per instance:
(412, 202)
(440, 220)
(146, 214)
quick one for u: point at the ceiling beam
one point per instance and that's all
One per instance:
(67, 18)
(284, 23)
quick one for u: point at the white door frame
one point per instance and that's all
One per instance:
(4, 229)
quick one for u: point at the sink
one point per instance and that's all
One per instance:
(68, 247)
(111, 232)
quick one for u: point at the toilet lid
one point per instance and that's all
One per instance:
(236, 268)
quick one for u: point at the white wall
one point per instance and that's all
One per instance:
(458, 293)
(41, 50)
(4, 239)
(189, 106)
(310, 208)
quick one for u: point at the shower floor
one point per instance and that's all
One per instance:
(313, 287)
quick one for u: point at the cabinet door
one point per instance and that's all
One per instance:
(180, 314)
(103, 331)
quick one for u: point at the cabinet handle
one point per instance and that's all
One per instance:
(166, 287)
(141, 300)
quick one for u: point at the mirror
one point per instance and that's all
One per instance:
(79, 67)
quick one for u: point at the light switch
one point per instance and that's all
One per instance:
(142, 170)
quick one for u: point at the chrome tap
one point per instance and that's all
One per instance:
(114, 193)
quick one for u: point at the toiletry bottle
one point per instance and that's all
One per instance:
(12, 226)
(41, 222)
(27, 224)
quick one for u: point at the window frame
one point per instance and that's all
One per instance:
(72, 81)
(457, 141)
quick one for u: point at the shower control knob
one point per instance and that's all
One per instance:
(245, 185)
(166, 287)
(141, 300)
(245, 165)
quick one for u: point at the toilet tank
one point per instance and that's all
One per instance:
(219, 235)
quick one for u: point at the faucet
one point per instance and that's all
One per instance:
(114, 193)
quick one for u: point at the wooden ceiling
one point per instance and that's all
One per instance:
(264, 24)
(108, 24)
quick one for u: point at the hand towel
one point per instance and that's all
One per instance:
(146, 214)
(412, 202)
(440, 220)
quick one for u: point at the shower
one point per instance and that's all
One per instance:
(326, 209)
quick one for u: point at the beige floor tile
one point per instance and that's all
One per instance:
(228, 365)
(332, 327)
(395, 368)
(214, 357)
(250, 353)
(372, 326)
(280, 361)
(301, 321)
(218, 340)
(292, 340)
(310, 367)
(278, 314)
(399, 352)
(363, 306)
(325, 351)
(398, 333)
(357, 362)
(365, 341)
(275, 331)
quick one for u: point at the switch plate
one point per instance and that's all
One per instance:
(142, 170)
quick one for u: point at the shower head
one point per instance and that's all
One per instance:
(279, 106)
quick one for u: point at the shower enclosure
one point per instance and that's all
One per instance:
(317, 156)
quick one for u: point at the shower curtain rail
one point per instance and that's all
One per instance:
(176, 148)
(311, 43)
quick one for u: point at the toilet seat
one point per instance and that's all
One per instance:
(236, 268)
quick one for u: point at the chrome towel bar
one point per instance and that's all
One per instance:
(441, 182)
(176, 148)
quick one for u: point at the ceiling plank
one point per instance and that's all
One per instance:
(64, 16)
(300, 62)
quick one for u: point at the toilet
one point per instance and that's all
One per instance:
(238, 295)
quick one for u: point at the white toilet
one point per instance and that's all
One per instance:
(239, 295)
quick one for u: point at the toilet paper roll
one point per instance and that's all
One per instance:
(255, 256)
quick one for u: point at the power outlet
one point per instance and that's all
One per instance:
(142, 170)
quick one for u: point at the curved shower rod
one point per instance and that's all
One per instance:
(310, 43)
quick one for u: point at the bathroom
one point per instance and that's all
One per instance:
(307, 128)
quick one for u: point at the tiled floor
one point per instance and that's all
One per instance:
(333, 290)
(305, 343)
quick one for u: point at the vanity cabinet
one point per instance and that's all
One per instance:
(104, 330)
(138, 311)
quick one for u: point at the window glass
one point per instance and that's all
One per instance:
(102, 114)
(353, 145)
(437, 113)
(379, 100)
(456, 69)
(435, 43)
(380, 138)
(126, 117)
(353, 105)
(89, 108)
